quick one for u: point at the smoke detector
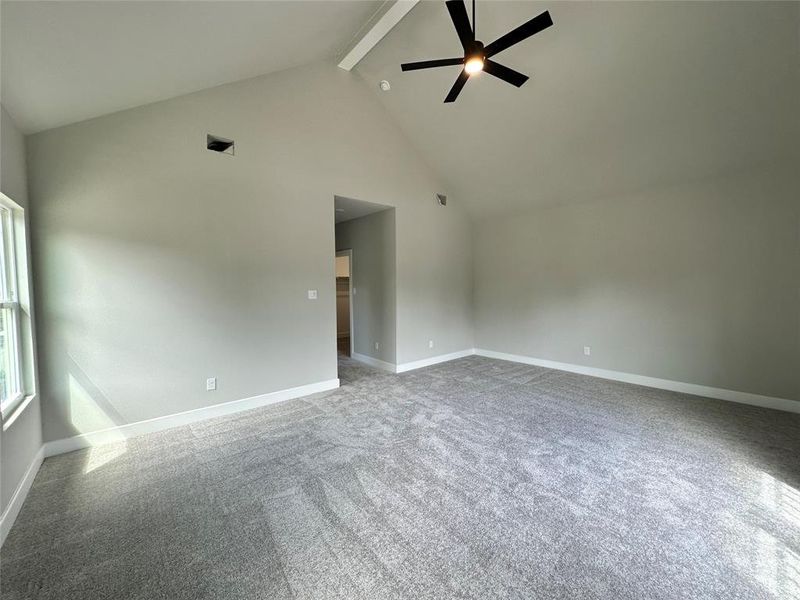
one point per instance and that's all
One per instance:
(385, 86)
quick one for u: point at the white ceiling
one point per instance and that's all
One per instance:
(622, 96)
(347, 209)
(64, 62)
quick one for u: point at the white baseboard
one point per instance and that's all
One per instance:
(115, 434)
(433, 360)
(373, 362)
(653, 382)
(410, 366)
(15, 504)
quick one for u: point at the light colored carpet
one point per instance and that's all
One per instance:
(476, 478)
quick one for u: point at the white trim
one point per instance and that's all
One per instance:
(9, 284)
(653, 382)
(115, 434)
(376, 33)
(433, 360)
(17, 499)
(410, 366)
(373, 362)
(15, 410)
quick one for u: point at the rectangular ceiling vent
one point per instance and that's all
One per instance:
(441, 199)
(219, 144)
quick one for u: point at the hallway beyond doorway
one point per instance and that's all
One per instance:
(344, 306)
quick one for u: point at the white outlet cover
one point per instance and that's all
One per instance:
(377, 345)
(312, 294)
(211, 384)
(587, 350)
(430, 343)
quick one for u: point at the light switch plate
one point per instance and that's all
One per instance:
(312, 294)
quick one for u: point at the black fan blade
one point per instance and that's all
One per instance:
(509, 75)
(458, 12)
(456, 89)
(532, 27)
(429, 64)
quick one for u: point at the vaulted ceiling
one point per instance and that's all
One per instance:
(64, 62)
(622, 97)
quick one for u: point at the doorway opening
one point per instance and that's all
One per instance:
(365, 282)
(344, 306)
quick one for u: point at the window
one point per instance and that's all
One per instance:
(11, 386)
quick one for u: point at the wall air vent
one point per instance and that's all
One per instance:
(219, 144)
(441, 199)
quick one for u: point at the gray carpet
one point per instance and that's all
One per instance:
(476, 478)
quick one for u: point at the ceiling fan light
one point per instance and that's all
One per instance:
(474, 65)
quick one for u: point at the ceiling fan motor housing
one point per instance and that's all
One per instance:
(474, 50)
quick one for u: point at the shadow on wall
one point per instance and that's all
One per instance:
(89, 408)
(137, 312)
(90, 411)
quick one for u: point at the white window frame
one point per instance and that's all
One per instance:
(9, 299)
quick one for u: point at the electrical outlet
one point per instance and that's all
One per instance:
(587, 350)
(377, 346)
(430, 343)
(211, 384)
(312, 294)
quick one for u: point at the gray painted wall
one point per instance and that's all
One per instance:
(159, 264)
(372, 239)
(432, 279)
(23, 438)
(698, 283)
(13, 178)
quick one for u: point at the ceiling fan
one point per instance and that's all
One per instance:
(477, 57)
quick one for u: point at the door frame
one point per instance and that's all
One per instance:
(349, 253)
